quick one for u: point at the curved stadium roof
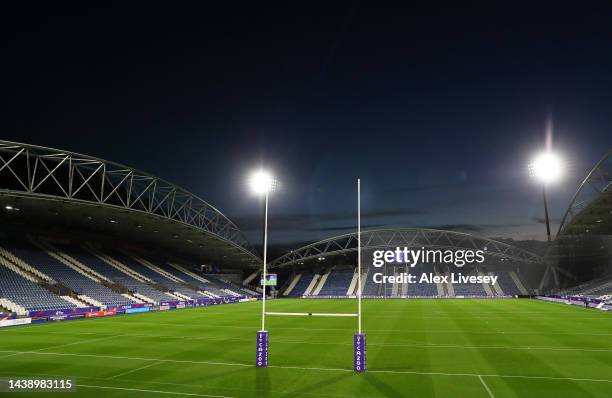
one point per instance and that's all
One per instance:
(590, 211)
(412, 237)
(85, 189)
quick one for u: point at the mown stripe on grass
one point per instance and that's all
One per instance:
(413, 372)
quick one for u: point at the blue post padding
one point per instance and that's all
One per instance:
(261, 359)
(359, 359)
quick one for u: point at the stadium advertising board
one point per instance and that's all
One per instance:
(15, 322)
(96, 314)
(130, 306)
(4, 316)
(137, 310)
(61, 313)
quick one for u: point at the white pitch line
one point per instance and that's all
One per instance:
(61, 345)
(396, 331)
(374, 344)
(187, 394)
(486, 386)
(415, 345)
(314, 368)
(134, 370)
(27, 329)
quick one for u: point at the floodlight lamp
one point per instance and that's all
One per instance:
(262, 182)
(546, 167)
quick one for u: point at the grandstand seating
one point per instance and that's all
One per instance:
(302, 285)
(370, 288)
(337, 283)
(422, 289)
(67, 276)
(604, 289)
(469, 289)
(595, 288)
(117, 276)
(184, 274)
(101, 275)
(507, 284)
(226, 285)
(156, 277)
(28, 294)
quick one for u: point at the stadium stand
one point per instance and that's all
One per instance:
(507, 284)
(595, 288)
(422, 289)
(225, 285)
(163, 281)
(192, 278)
(19, 294)
(123, 280)
(370, 288)
(84, 286)
(302, 285)
(65, 275)
(337, 283)
(469, 289)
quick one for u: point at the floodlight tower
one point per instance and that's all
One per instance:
(262, 183)
(548, 168)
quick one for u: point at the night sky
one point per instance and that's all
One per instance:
(438, 110)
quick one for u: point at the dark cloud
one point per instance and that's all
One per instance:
(542, 220)
(317, 222)
(459, 227)
(346, 228)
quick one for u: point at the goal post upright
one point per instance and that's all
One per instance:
(263, 183)
(359, 254)
(261, 360)
(359, 339)
(265, 255)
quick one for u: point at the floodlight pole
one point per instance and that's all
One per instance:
(546, 212)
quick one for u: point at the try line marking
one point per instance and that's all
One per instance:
(244, 365)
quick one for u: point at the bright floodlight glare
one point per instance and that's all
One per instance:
(547, 167)
(262, 182)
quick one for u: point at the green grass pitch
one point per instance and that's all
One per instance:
(415, 348)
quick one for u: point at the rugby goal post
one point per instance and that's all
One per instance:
(359, 338)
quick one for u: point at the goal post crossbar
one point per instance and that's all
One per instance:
(310, 314)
